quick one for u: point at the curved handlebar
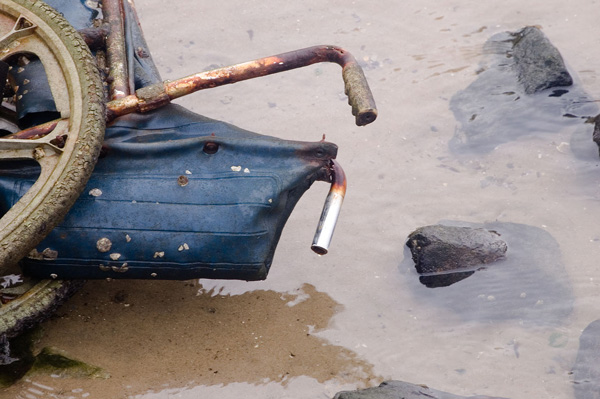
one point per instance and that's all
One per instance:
(356, 86)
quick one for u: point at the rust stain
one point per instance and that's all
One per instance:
(120, 85)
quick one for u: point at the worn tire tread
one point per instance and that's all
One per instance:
(45, 296)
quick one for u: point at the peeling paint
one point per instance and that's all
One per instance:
(127, 238)
(49, 254)
(95, 192)
(246, 170)
(115, 256)
(46, 254)
(120, 269)
(183, 247)
(103, 244)
(34, 254)
(236, 168)
(159, 254)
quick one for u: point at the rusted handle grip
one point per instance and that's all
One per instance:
(359, 94)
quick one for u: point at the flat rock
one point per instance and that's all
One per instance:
(530, 286)
(402, 390)
(440, 248)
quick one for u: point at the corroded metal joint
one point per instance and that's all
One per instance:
(152, 97)
(95, 38)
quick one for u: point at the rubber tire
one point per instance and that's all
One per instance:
(40, 301)
(41, 220)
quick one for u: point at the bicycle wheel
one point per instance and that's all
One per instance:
(33, 29)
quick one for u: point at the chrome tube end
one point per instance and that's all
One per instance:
(331, 210)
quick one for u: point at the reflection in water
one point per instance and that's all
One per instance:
(529, 286)
(444, 279)
(183, 335)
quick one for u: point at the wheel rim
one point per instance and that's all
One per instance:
(33, 28)
(64, 171)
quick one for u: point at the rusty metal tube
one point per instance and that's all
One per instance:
(356, 86)
(95, 38)
(34, 132)
(116, 50)
(331, 210)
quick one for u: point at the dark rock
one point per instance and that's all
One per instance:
(402, 390)
(586, 372)
(530, 287)
(496, 109)
(539, 64)
(596, 134)
(17, 357)
(441, 248)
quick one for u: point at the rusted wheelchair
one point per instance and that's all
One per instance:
(173, 195)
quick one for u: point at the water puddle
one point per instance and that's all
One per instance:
(199, 337)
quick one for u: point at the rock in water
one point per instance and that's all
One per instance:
(596, 134)
(531, 286)
(507, 100)
(539, 64)
(586, 372)
(402, 390)
(441, 248)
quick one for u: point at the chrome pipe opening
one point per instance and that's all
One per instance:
(331, 210)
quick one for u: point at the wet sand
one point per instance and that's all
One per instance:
(138, 335)
(354, 321)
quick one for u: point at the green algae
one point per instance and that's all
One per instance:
(17, 360)
(56, 363)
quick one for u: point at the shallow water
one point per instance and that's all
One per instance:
(358, 316)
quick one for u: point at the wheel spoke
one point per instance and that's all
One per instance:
(38, 148)
(23, 27)
(56, 78)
